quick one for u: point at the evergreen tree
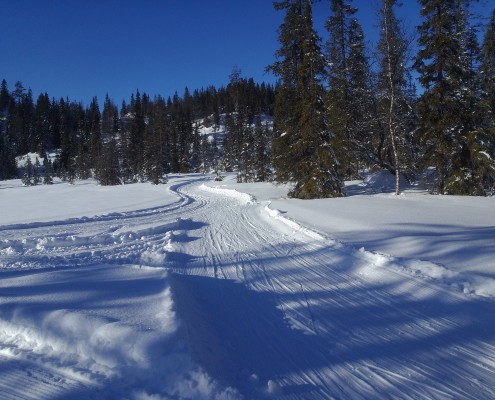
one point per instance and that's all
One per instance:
(487, 72)
(156, 142)
(71, 171)
(305, 139)
(53, 141)
(47, 171)
(486, 109)
(286, 113)
(448, 126)
(28, 173)
(21, 120)
(109, 117)
(8, 166)
(5, 98)
(82, 159)
(108, 167)
(261, 153)
(36, 172)
(136, 138)
(339, 96)
(196, 150)
(41, 125)
(94, 131)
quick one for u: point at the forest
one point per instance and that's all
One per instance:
(422, 109)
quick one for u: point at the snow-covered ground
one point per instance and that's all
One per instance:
(217, 290)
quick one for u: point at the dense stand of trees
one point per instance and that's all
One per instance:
(331, 100)
(338, 107)
(143, 140)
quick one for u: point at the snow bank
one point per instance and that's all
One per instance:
(243, 198)
(124, 336)
(84, 199)
(276, 214)
(451, 235)
(465, 282)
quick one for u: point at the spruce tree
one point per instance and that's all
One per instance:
(27, 177)
(108, 167)
(136, 136)
(286, 113)
(196, 150)
(36, 172)
(261, 151)
(487, 71)
(8, 165)
(338, 26)
(94, 132)
(47, 171)
(302, 151)
(449, 128)
(486, 107)
(41, 125)
(4, 98)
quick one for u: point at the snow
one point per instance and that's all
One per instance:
(200, 289)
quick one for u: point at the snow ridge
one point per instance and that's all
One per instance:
(243, 198)
(276, 214)
(464, 282)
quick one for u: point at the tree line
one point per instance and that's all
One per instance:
(335, 114)
(338, 107)
(143, 140)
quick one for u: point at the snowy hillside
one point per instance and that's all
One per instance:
(208, 127)
(216, 290)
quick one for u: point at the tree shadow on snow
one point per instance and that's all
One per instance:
(239, 335)
(245, 338)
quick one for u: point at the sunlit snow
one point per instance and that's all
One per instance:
(199, 289)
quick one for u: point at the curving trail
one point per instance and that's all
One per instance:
(211, 295)
(273, 310)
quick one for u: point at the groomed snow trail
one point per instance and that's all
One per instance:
(276, 310)
(86, 310)
(211, 295)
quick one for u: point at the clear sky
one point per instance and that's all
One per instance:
(85, 48)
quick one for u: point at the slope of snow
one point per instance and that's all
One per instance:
(217, 290)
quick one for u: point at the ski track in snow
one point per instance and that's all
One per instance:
(261, 308)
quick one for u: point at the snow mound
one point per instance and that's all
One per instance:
(276, 214)
(243, 198)
(134, 349)
(462, 281)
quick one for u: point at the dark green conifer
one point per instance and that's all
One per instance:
(47, 171)
(27, 177)
(303, 154)
(448, 121)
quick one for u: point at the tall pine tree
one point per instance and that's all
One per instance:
(302, 151)
(350, 100)
(448, 124)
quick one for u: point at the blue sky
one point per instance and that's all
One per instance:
(86, 48)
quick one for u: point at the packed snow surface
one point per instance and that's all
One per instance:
(200, 289)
